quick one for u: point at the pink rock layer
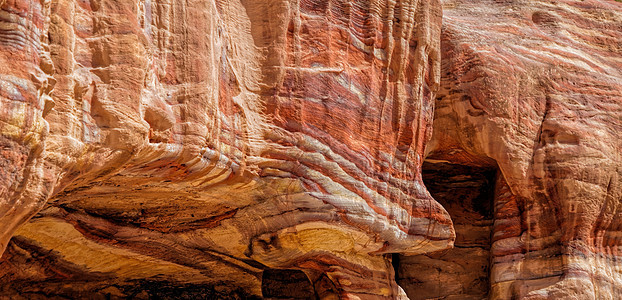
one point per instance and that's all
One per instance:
(199, 142)
(159, 148)
(534, 88)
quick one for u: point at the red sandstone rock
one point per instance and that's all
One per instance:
(199, 142)
(535, 88)
(177, 148)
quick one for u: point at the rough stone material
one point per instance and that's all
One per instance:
(533, 89)
(195, 143)
(279, 149)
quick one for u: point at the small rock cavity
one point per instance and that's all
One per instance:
(467, 193)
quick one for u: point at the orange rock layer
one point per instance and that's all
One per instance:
(202, 142)
(276, 148)
(534, 89)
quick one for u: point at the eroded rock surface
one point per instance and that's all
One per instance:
(533, 88)
(189, 145)
(275, 148)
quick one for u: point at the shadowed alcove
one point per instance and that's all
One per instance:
(467, 193)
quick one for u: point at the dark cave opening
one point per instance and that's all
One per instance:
(286, 284)
(467, 193)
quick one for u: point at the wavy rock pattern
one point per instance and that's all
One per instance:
(279, 149)
(535, 90)
(177, 145)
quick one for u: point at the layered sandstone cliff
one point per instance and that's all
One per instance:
(276, 148)
(193, 144)
(529, 121)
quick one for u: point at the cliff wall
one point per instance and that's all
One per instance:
(310, 149)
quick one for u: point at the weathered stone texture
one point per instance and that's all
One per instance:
(279, 149)
(200, 142)
(534, 88)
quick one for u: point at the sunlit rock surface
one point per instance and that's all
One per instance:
(236, 149)
(531, 91)
(186, 146)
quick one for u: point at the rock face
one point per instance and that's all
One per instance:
(532, 89)
(185, 146)
(276, 148)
